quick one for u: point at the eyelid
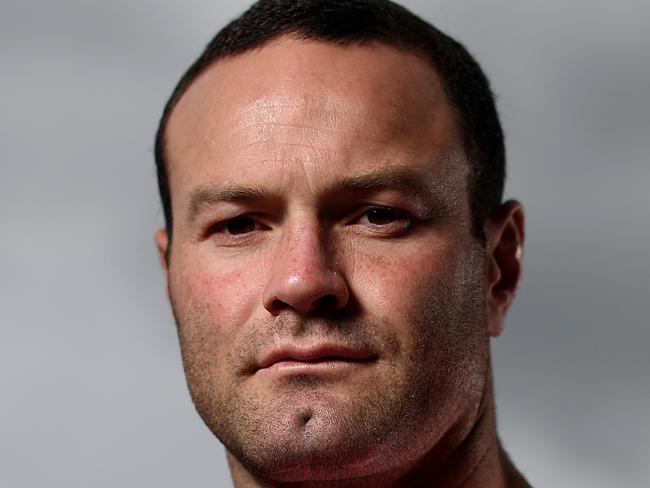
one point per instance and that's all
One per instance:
(362, 210)
(403, 223)
(218, 225)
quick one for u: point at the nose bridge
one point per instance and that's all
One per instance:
(303, 275)
(303, 249)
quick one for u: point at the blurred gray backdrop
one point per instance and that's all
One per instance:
(92, 390)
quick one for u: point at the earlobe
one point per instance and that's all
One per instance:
(162, 243)
(505, 240)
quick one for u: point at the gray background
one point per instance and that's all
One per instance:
(92, 391)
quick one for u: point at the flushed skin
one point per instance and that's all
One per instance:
(333, 307)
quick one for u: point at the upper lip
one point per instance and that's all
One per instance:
(314, 353)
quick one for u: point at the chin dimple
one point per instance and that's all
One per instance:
(305, 416)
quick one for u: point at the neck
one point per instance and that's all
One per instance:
(472, 459)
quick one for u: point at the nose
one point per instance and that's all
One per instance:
(302, 278)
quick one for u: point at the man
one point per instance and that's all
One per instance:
(336, 250)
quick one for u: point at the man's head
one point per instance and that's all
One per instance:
(333, 297)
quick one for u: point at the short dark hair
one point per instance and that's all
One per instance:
(356, 22)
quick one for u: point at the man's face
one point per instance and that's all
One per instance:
(329, 296)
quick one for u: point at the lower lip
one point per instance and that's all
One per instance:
(327, 367)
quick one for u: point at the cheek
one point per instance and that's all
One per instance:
(431, 294)
(210, 295)
(231, 293)
(396, 281)
(213, 306)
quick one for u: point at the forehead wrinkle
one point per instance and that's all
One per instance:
(309, 123)
(287, 144)
(323, 109)
(287, 100)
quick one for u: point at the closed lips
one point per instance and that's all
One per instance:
(316, 355)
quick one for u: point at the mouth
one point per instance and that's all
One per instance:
(316, 360)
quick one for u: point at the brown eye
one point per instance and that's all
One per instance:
(381, 215)
(240, 225)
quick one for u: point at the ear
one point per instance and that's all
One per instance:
(505, 240)
(162, 243)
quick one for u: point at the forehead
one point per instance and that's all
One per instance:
(310, 103)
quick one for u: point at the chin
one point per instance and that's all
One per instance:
(332, 460)
(316, 439)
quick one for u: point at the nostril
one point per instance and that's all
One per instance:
(325, 302)
(321, 304)
(276, 306)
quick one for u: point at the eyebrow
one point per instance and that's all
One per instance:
(404, 180)
(417, 184)
(208, 196)
(428, 193)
